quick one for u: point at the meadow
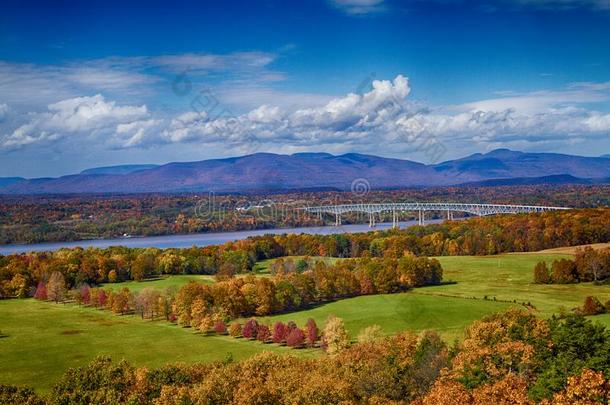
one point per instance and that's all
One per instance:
(40, 340)
(399, 312)
(160, 283)
(510, 277)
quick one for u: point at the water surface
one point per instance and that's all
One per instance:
(197, 239)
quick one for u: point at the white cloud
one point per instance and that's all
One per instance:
(84, 117)
(381, 121)
(194, 62)
(347, 115)
(38, 85)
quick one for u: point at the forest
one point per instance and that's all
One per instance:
(54, 218)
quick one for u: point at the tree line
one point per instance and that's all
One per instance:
(48, 218)
(588, 265)
(507, 358)
(21, 273)
(201, 306)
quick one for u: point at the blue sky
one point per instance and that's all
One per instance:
(96, 83)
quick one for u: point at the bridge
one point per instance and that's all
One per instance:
(422, 207)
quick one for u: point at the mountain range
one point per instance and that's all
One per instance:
(300, 171)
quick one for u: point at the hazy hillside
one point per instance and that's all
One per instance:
(267, 171)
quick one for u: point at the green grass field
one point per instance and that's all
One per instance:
(41, 340)
(509, 277)
(262, 267)
(160, 283)
(398, 312)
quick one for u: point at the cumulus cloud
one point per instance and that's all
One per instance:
(84, 117)
(382, 120)
(351, 114)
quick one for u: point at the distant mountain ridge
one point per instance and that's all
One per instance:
(274, 172)
(121, 169)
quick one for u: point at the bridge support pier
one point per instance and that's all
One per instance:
(421, 218)
(394, 222)
(337, 219)
(371, 219)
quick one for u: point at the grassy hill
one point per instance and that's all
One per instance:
(41, 340)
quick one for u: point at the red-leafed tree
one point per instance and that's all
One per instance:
(263, 333)
(250, 329)
(102, 298)
(220, 327)
(279, 332)
(592, 306)
(295, 338)
(312, 332)
(85, 294)
(290, 326)
(41, 292)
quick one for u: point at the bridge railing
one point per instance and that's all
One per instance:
(422, 207)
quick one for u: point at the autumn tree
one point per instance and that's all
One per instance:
(206, 324)
(220, 327)
(592, 306)
(250, 329)
(312, 332)
(334, 336)
(370, 334)
(263, 333)
(41, 292)
(235, 329)
(590, 387)
(279, 332)
(295, 338)
(563, 271)
(122, 301)
(143, 266)
(56, 287)
(541, 273)
(85, 293)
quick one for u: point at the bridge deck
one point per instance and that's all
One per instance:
(422, 207)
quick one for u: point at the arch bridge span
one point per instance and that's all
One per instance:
(422, 207)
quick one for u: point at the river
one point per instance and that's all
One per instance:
(198, 239)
